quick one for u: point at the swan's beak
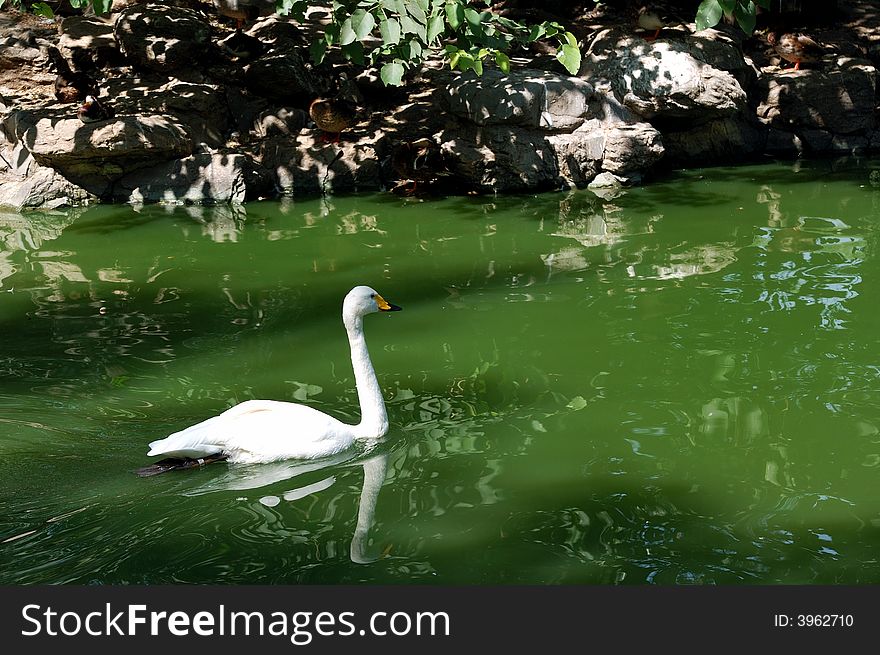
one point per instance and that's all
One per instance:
(385, 306)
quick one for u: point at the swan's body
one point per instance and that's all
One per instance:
(270, 431)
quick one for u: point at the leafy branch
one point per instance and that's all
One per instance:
(399, 34)
(101, 7)
(744, 12)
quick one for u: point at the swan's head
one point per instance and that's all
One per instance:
(365, 300)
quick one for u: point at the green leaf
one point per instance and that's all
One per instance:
(415, 50)
(536, 32)
(503, 61)
(354, 52)
(417, 12)
(295, 8)
(331, 35)
(464, 61)
(346, 32)
(570, 57)
(454, 15)
(398, 6)
(390, 31)
(318, 49)
(509, 24)
(569, 38)
(708, 14)
(435, 28)
(392, 73)
(410, 26)
(363, 23)
(577, 403)
(552, 28)
(746, 15)
(42, 9)
(727, 6)
(102, 7)
(472, 17)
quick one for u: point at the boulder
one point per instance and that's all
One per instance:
(524, 98)
(162, 38)
(578, 156)
(286, 78)
(838, 100)
(631, 149)
(40, 188)
(278, 33)
(88, 42)
(21, 49)
(204, 178)
(727, 140)
(201, 109)
(304, 165)
(281, 121)
(672, 80)
(534, 129)
(501, 158)
(93, 154)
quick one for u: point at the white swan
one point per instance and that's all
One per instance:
(270, 431)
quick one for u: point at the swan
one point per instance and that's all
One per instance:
(260, 431)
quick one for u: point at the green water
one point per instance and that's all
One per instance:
(677, 386)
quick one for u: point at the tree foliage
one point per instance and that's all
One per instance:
(398, 34)
(44, 9)
(744, 12)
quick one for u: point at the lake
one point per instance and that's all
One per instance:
(675, 386)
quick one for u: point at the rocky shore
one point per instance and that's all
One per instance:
(197, 122)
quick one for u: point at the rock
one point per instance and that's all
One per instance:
(209, 178)
(162, 38)
(631, 149)
(578, 156)
(723, 51)
(839, 101)
(724, 140)
(501, 158)
(88, 42)
(41, 188)
(18, 50)
(286, 78)
(202, 109)
(667, 80)
(278, 34)
(94, 154)
(524, 98)
(281, 121)
(535, 129)
(303, 165)
(606, 185)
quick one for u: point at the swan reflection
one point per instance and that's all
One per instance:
(244, 477)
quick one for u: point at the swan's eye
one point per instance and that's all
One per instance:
(372, 295)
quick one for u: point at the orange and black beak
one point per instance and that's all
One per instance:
(385, 306)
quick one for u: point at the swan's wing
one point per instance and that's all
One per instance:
(260, 431)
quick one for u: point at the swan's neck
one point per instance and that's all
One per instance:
(374, 420)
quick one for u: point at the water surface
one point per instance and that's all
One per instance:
(675, 386)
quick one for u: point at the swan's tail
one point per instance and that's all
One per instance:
(179, 464)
